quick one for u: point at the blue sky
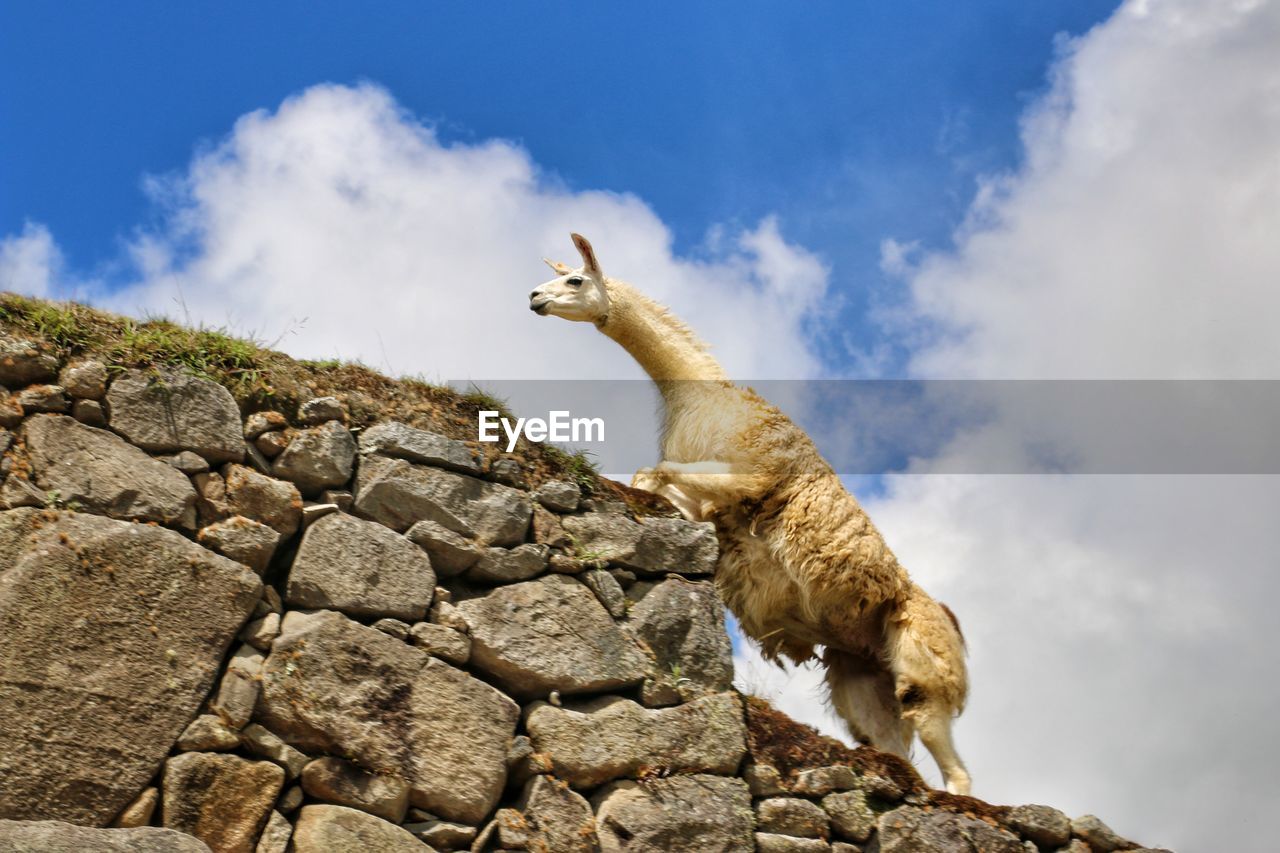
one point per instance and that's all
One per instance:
(850, 121)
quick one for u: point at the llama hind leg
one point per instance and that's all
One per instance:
(926, 657)
(932, 721)
(862, 694)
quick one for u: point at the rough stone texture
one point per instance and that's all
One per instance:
(10, 411)
(442, 834)
(207, 733)
(176, 412)
(907, 829)
(271, 444)
(445, 643)
(502, 565)
(261, 632)
(607, 591)
(111, 640)
(819, 781)
(393, 628)
(223, 800)
(682, 814)
(318, 458)
(84, 380)
(362, 568)
(334, 780)
(243, 540)
(328, 829)
(682, 623)
(764, 780)
(435, 726)
(89, 413)
(402, 441)
(321, 409)
(610, 737)
(290, 800)
(275, 835)
(1046, 826)
(54, 836)
(103, 474)
(556, 818)
(238, 691)
(188, 463)
(657, 545)
(139, 812)
(259, 497)
(550, 634)
(559, 495)
(399, 494)
(265, 744)
(1100, 836)
(44, 398)
(850, 815)
(547, 529)
(450, 553)
(259, 422)
(770, 843)
(791, 816)
(23, 363)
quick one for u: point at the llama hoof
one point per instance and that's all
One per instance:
(958, 783)
(646, 480)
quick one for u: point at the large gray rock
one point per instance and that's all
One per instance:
(361, 568)
(175, 411)
(342, 783)
(682, 623)
(103, 474)
(1044, 825)
(556, 817)
(398, 494)
(333, 685)
(223, 800)
(402, 441)
(243, 540)
(611, 737)
(682, 814)
(318, 458)
(267, 500)
(23, 363)
(508, 565)
(55, 836)
(550, 634)
(451, 554)
(330, 829)
(908, 829)
(791, 816)
(113, 635)
(851, 816)
(1100, 836)
(654, 545)
(275, 835)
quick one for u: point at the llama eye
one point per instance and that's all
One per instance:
(576, 281)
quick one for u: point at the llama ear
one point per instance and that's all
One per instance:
(561, 269)
(589, 262)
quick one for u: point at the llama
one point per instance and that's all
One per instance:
(801, 564)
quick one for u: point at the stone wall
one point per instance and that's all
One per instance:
(231, 628)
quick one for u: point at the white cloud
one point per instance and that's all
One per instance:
(342, 219)
(1120, 627)
(29, 261)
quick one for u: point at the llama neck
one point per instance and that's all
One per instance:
(666, 348)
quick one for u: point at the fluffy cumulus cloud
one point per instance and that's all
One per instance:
(1119, 627)
(349, 227)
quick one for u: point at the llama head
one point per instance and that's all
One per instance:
(575, 294)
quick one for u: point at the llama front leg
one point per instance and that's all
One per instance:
(647, 480)
(708, 482)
